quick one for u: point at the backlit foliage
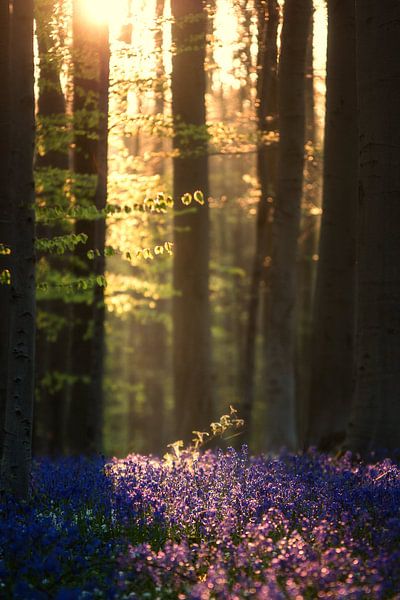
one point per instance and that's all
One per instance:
(226, 423)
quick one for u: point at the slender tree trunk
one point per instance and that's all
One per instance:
(308, 246)
(91, 55)
(161, 82)
(16, 460)
(125, 34)
(191, 310)
(268, 16)
(281, 393)
(333, 330)
(51, 354)
(5, 207)
(309, 91)
(96, 397)
(153, 349)
(375, 422)
(154, 341)
(244, 54)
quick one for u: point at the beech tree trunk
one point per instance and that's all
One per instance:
(96, 398)
(332, 360)
(281, 427)
(191, 310)
(5, 207)
(16, 460)
(375, 422)
(51, 354)
(308, 247)
(153, 333)
(161, 83)
(268, 18)
(91, 56)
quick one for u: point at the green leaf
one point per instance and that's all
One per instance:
(186, 199)
(82, 237)
(168, 247)
(199, 196)
(5, 277)
(4, 249)
(147, 254)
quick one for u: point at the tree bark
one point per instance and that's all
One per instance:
(333, 329)
(191, 310)
(96, 398)
(308, 247)
(16, 460)
(375, 423)
(51, 355)
(91, 65)
(159, 91)
(281, 393)
(268, 17)
(5, 206)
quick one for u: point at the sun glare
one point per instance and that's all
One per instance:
(105, 11)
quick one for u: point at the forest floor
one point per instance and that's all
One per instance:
(219, 525)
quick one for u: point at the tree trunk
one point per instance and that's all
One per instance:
(96, 397)
(375, 422)
(309, 92)
(5, 207)
(308, 247)
(16, 461)
(161, 83)
(268, 18)
(333, 329)
(191, 310)
(281, 394)
(91, 56)
(51, 354)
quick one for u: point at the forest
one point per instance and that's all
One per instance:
(200, 299)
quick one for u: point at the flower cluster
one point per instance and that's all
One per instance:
(221, 526)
